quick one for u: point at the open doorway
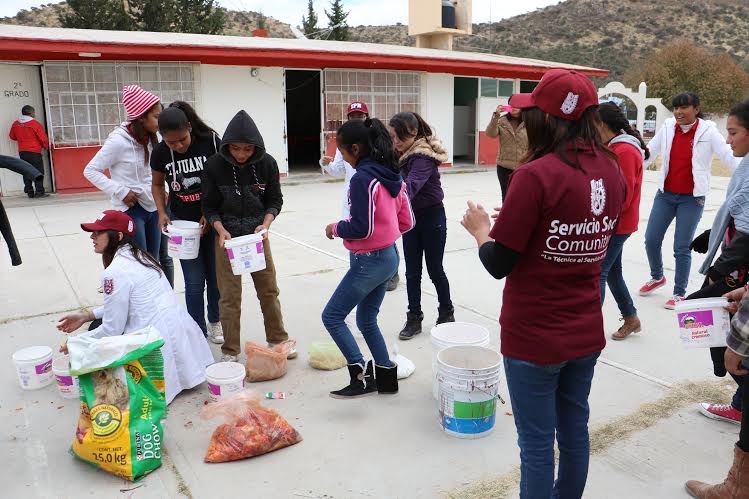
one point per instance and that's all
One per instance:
(464, 121)
(303, 122)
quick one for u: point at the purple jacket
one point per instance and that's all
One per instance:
(419, 168)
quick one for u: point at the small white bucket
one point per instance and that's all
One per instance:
(246, 253)
(184, 239)
(452, 334)
(224, 379)
(703, 322)
(34, 367)
(468, 378)
(67, 385)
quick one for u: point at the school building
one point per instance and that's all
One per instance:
(295, 89)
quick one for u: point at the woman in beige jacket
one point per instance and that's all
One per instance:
(513, 142)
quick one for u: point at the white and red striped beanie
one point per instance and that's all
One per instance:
(137, 101)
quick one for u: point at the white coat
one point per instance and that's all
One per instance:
(125, 159)
(339, 168)
(135, 298)
(707, 141)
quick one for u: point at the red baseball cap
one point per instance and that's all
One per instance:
(562, 93)
(112, 220)
(357, 107)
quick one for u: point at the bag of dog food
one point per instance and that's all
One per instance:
(122, 401)
(264, 364)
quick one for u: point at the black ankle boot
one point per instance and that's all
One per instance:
(445, 315)
(412, 326)
(387, 379)
(362, 382)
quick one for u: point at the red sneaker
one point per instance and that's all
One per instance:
(721, 412)
(652, 285)
(671, 303)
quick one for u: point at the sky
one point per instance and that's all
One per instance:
(361, 11)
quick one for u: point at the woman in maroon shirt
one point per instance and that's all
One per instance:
(549, 240)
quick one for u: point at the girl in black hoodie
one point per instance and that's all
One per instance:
(242, 195)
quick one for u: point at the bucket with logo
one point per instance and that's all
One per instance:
(122, 401)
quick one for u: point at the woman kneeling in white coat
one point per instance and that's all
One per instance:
(138, 295)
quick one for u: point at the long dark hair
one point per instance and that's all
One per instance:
(372, 138)
(687, 99)
(142, 135)
(114, 243)
(403, 123)
(612, 116)
(740, 111)
(548, 134)
(174, 121)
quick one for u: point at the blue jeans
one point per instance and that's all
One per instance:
(363, 287)
(147, 230)
(200, 273)
(611, 273)
(545, 399)
(687, 210)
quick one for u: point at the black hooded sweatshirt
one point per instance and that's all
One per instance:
(240, 195)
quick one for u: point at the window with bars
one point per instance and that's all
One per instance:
(85, 98)
(384, 92)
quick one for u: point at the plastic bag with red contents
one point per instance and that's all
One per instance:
(264, 364)
(250, 429)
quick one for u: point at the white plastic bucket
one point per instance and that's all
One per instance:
(224, 379)
(452, 334)
(34, 367)
(184, 239)
(468, 378)
(703, 322)
(67, 385)
(246, 253)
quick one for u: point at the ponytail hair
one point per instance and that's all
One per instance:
(199, 127)
(114, 243)
(373, 140)
(405, 123)
(612, 116)
(687, 99)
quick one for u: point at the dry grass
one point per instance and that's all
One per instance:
(616, 430)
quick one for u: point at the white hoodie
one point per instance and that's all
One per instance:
(707, 141)
(125, 159)
(340, 168)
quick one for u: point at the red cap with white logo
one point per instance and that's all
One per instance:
(112, 220)
(562, 93)
(357, 107)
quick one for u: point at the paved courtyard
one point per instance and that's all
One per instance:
(383, 447)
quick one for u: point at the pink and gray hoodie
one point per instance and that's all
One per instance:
(380, 209)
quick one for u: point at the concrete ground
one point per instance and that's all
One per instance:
(373, 447)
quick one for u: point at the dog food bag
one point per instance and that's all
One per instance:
(250, 429)
(264, 364)
(122, 401)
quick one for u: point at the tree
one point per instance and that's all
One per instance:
(309, 22)
(262, 22)
(96, 14)
(681, 67)
(152, 15)
(337, 21)
(199, 16)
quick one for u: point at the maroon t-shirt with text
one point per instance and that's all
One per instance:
(560, 219)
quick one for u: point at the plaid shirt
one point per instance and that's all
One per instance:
(738, 340)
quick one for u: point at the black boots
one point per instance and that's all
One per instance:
(362, 382)
(387, 379)
(445, 315)
(393, 282)
(412, 326)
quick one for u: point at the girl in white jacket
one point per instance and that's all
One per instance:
(137, 295)
(126, 154)
(686, 144)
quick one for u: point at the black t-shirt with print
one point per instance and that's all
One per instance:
(185, 190)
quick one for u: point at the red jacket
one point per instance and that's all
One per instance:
(630, 162)
(29, 135)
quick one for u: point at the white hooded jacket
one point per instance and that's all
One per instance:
(707, 141)
(125, 159)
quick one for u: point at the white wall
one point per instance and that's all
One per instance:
(437, 97)
(224, 90)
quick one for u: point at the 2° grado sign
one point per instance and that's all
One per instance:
(16, 91)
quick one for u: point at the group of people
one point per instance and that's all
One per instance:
(571, 186)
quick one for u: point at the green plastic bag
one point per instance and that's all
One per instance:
(325, 355)
(122, 402)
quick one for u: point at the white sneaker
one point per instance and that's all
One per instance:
(215, 333)
(292, 353)
(228, 358)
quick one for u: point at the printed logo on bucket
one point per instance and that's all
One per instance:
(695, 320)
(106, 419)
(44, 368)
